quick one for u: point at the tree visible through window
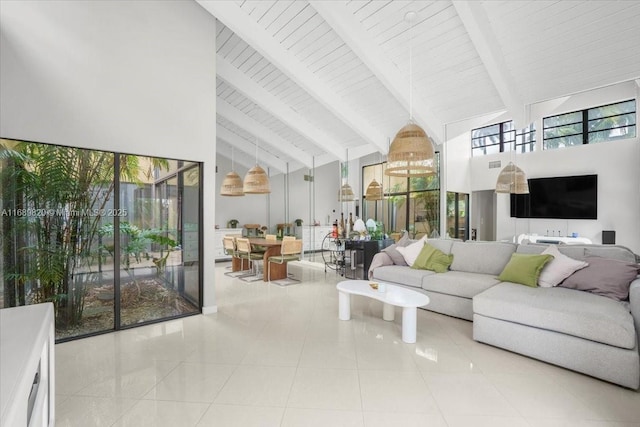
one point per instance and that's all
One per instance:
(591, 126)
(502, 137)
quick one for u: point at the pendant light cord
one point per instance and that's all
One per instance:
(256, 107)
(411, 67)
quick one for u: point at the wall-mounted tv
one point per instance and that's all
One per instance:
(564, 197)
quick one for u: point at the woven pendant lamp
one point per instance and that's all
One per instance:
(346, 194)
(411, 153)
(232, 183)
(256, 181)
(513, 180)
(374, 191)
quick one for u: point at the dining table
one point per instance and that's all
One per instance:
(273, 247)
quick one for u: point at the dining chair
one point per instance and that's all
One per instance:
(270, 237)
(229, 244)
(244, 251)
(291, 250)
(289, 238)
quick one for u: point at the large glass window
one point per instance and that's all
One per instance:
(110, 239)
(590, 126)
(411, 204)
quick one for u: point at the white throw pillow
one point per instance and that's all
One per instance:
(411, 252)
(559, 268)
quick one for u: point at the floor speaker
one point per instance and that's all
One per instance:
(608, 237)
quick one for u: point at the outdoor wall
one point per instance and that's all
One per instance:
(615, 163)
(137, 77)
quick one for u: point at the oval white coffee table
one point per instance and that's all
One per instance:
(392, 296)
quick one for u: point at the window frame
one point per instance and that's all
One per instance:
(510, 139)
(585, 132)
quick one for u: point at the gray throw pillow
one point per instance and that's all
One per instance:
(393, 253)
(604, 276)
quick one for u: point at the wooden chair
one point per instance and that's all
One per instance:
(243, 248)
(270, 237)
(229, 244)
(289, 238)
(291, 250)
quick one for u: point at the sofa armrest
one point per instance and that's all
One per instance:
(634, 305)
(379, 259)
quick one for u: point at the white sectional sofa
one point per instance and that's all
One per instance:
(578, 330)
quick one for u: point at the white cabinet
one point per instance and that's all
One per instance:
(219, 247)
(312, 236)
(27, 380)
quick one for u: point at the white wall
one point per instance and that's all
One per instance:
(137, 77)
(615, 163)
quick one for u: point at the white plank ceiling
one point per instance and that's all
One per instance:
(315, 81)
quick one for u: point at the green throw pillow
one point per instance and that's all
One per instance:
(433, 259)
(524, 269)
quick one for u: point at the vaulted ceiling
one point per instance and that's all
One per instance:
(309, 82)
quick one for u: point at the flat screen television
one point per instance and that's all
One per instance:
(564, 197)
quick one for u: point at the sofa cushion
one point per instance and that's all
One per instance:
(562, 310)
(481, 257)
(401, 274)
(392, 250)
(431, 258)
(610, 251)
(411, 252)
(531, 248)
(559, 268)
(572, 251)
(459, 283)
(443, 244)
(603, 276)
(524, 268)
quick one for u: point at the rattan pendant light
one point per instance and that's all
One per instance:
(513, 180)
(232, 183)
(256, 181)
(411, 153)
(374, 191)
(345, 194)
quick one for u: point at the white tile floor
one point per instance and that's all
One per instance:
(279, 356)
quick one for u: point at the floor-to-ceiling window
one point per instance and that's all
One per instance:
(411, 204)
(111, 239)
